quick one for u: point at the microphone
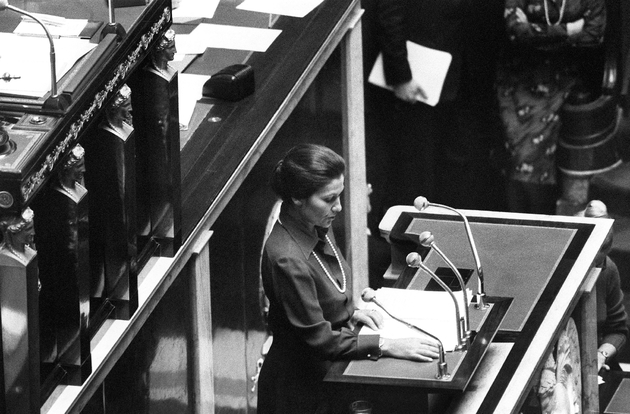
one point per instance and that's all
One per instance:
(369, 295)
(414, 260)
(421, 203)
(427, 240)
(4, 4)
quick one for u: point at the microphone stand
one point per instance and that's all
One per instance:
(427, 240)
(421, 203)
(442, 365)
(414, 260)
(112, 27)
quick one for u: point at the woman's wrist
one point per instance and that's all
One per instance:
(381, 346)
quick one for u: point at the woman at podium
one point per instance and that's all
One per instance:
(309, 287)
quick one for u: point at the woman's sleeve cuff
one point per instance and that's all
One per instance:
(367, 346)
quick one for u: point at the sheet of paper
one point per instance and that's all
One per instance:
(428, 68)
(57, 26)
(431, 311)
(294, 8)
(189, 45)
(190, 91)
(234, 37)
(32, 69)
(188, 10)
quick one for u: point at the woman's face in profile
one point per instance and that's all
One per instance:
(321, 208)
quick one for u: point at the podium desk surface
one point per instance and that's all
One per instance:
(423, 376)
(556, 275)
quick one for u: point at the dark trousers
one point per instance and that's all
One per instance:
(441, 153)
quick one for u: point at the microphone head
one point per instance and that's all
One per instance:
(596, 208)
(426, 238)
(420, 203)
(414, 259)
(4, 4)
(368, 295)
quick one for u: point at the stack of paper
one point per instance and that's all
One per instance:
(29, 73)
(431, 311)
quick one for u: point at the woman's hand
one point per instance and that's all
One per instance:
(604, 350)
(415, 349)
(370, 317)
(409, 92)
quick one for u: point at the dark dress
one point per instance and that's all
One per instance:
(308, 316)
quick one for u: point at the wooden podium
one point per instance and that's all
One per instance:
(542, 262)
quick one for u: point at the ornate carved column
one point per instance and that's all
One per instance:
(111, 181)
(18, 302)
(156, 120)
(62, 238)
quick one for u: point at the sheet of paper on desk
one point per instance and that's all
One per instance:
(189, 10)
(431, 311)
(428, 68)
(189, 45)
(190, 91)
(27, 59)
(234, 37)
(56, 25)
(294, 8)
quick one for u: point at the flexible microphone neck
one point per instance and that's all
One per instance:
(421, 203)
(4, 4)
(368, 295)
(427, 240)
(414, 260)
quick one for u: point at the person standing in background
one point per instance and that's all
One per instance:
(441, 152)
(546, 62)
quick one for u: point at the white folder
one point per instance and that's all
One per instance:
(428, 69)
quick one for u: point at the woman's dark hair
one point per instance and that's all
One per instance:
(304, 170)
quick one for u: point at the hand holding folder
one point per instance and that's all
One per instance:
(428, 69)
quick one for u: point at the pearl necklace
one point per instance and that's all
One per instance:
(564, 2)
(343, 274)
